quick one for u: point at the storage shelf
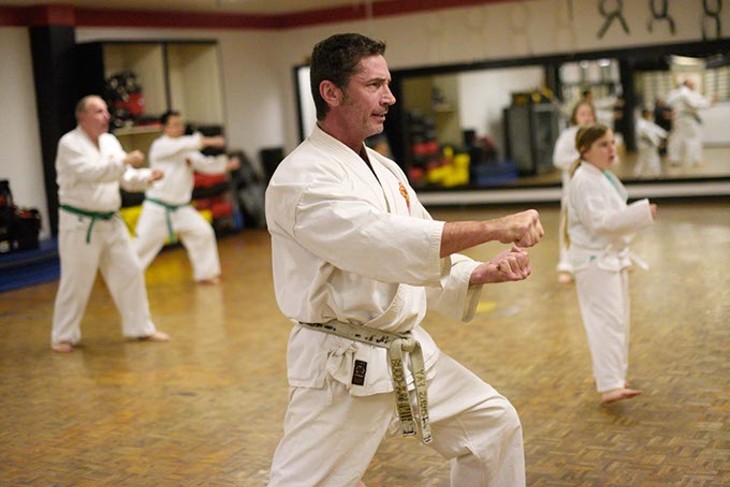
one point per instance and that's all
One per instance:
(137, 130)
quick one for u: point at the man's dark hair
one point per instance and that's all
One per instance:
(166, 116)
(335, 59)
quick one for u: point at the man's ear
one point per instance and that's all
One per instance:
(330, 93)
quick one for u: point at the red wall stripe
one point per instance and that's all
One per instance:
(92, 17)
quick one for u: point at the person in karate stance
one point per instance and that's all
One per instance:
(90, 167)
(357, 262)
(685, 140)
(600, 226)
(564, 154)
(649, 137)
(167, 212)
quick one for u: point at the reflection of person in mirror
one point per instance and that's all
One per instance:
(685, 140)
(167, 212)
(357, 263)
(663, 118)
(649, 137)
(564, 155)
(600, 227)
(91, 166)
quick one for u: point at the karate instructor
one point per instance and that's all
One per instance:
(357, 262)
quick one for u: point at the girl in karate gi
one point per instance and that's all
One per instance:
(564, 155)
(600, 226)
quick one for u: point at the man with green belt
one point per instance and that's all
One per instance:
(91, 165)
(167, 211)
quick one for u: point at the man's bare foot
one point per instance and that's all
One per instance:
(158, 336)
(62, 347)
(618, 395)
(361, 484)
(565, 278)
(210, 282)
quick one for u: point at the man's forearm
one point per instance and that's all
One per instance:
(523, 229)
(457, 236)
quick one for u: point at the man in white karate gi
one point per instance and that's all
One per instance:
(357, 261)
(166, 211)
(685, 141)
(90, 167)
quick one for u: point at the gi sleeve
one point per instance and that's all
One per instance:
(565, 154)
(166, 148)
(135, 180)
(455, 298)
(603, 220)
(339, 224)
(207, 164)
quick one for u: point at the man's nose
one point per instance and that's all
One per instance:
(389, 98)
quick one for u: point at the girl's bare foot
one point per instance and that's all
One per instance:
(618, 395)
(565, 278)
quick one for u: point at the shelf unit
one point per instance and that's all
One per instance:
(174, 75)
(180, 75)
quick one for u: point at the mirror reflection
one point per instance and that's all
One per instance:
(498, 126)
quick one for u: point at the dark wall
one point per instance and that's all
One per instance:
(52, 49)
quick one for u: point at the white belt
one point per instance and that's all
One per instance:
(396, 344)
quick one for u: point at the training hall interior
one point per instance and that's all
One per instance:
(483, 90)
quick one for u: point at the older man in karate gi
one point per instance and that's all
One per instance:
(91, 165)
(357, 262)
(685, 141)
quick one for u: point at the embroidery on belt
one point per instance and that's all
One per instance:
(404, 193)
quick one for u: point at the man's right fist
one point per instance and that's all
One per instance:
(134, 158)
(522, 229)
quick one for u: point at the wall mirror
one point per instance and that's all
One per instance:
(493, 124)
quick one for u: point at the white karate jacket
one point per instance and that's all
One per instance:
(649, 134)
(565, 153)
(357, 249)
(89, 178)
(686, 103)
(179, 157)
(600, 223)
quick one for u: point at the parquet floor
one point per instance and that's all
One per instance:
(206, 409)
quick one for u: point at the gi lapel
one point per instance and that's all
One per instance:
(354, 163)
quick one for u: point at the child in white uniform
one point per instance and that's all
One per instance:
(564, 155)
(600, 226)
(649, 137)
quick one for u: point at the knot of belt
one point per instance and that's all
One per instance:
(397, 344)
(168, 209)
(94, 215)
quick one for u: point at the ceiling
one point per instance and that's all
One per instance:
(250, 7)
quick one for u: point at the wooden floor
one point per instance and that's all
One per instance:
(207, 408)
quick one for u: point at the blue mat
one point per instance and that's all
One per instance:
(30, 267)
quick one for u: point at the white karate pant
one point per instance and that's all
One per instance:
(564, 264)
(648, 158)
(603, 297)
(330, 437)
(109, 251)
(196, 235)
(685, 142)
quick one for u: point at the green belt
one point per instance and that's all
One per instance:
(94, 215)
(169, 208)
(396, 344)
